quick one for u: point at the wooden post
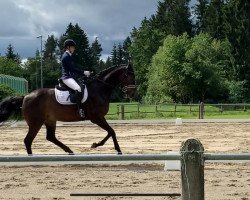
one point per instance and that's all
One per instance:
(121, 113)
(138, 109)
(118, 111)
(192, 170)
(201, 110)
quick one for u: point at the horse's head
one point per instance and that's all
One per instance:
(128, 81)
(122, 76)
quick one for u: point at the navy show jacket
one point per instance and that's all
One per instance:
(68, 67)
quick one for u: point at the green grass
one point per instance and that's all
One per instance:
(172, 111)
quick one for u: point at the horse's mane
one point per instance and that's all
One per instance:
(104, 72)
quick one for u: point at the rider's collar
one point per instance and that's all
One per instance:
(68, 52)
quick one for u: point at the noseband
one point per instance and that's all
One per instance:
(126, 87)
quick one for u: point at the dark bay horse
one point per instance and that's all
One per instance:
(40, 106)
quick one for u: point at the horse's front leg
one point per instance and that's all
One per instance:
(111, 133)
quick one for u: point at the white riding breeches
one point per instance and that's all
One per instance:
(70, 82)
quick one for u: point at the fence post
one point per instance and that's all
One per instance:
(201, 110)
(192, 170)
(138, 109)
(121, 113)
(156, 109)
(118, 111)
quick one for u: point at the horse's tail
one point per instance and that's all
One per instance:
(11, 106)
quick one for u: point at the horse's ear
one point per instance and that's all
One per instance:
(130, 67)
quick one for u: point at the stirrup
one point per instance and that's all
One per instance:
(81, 112)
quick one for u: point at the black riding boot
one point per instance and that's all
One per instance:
(79, 103)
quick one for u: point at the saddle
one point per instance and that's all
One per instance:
(66, 96)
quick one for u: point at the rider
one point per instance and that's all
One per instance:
(69, 71)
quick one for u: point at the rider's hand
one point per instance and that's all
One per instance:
(86, 73)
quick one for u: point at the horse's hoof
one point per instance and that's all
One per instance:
(71, 154)
(94, 145)
(119, 153)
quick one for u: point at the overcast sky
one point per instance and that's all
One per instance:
(109, 20)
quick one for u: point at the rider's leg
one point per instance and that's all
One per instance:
(70, 82)
(79, 103)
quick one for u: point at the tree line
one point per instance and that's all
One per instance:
(190, 54)
(180, 54)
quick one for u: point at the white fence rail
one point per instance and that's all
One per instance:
(191, 155)
(112, 158)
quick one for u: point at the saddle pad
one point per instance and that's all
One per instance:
(62, 97)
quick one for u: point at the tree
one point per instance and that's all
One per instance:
(10, 54)
(108, 62)
(214, 19)
(96, 50)
(6, 91)
(10, 67)
(82, 55)
(51, 73)
(189, 70)
(229, 20)
(145, 43)
(237, 31)
(173, 17)
(120, 58)
(114, 57)
(126, 45)
(32, 71)
(200, 13)
(50, 48)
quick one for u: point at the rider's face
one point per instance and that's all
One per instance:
(72, 49)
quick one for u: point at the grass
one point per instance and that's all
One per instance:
(137, 111)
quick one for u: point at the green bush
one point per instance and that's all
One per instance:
(6, 91)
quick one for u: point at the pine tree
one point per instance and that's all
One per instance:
(108, 62)
(114, 55)
(50, 48)
(237, 31)
(173, 17)
(82, 55)
(126, 45)
(200, 12)
(213, 19)
(10, 54)
(96, 50)
(120, 59)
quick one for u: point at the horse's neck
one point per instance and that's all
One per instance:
(113, 77)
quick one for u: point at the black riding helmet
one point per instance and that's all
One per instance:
(69, 43)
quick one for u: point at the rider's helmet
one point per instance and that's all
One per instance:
(69, 43)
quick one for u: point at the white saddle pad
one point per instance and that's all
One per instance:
(62, 97)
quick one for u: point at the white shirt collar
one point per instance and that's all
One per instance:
(68, 52)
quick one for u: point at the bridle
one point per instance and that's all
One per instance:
(125, 87)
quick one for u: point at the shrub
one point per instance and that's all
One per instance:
(6, 91)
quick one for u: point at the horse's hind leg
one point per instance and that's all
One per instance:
(51, 129)
(33, 130)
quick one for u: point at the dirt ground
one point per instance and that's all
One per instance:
(229, 181)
